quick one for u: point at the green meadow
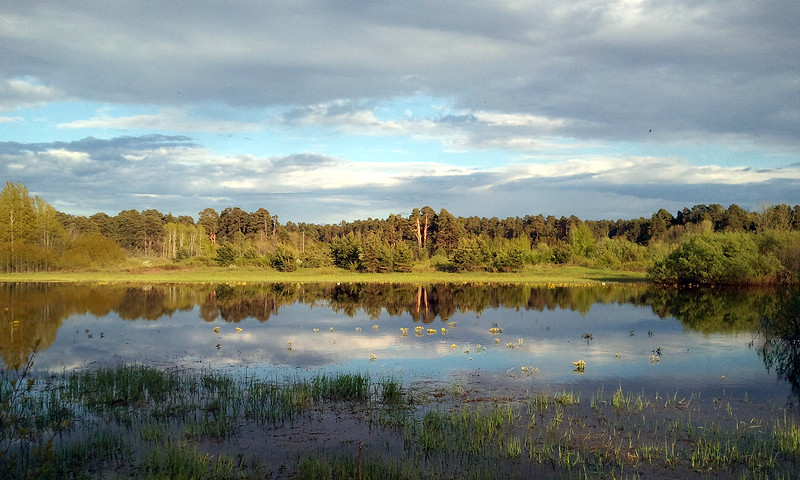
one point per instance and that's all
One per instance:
(570, 275)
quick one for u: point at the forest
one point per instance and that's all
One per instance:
(704, 244)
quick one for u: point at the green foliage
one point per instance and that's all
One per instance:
(403, 257)
(582, 241)
(33, 237)
(619, 253)
(346, 252)
(316, 257)
(448, 230)
(785, 246)
(27, 230)
(375, 256)
(726, 258)
(562, 253)
(284, 259)
(92, 250)
(470, 255)
(512, 256)
(225, 255)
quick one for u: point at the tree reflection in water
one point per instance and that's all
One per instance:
(31, 312)
(779, 331)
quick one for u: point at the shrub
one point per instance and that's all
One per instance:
(721, 258)
(284, 259)
(617, 252)
(375, 255)
(225, 255)
(512, 256)
(345, 252)
(785, 246)
(316, 257)
(469, 255)
(403, 258)
(562, 253)
(92, 250)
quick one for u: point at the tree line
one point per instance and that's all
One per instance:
(673, 248)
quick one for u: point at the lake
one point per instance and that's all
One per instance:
(711, 342)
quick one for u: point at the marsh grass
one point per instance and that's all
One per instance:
(134, 421)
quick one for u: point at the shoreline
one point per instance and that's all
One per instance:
(539, 275)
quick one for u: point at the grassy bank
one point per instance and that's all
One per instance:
(570, 275)
(134, 421)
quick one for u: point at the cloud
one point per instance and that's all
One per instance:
(18, 93)
(170, 120)
(501, 107)
(611, 70)
(174, 173)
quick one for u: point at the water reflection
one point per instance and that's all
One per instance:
(779, 331)
(312, 325)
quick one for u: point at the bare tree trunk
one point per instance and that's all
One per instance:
(425, 232)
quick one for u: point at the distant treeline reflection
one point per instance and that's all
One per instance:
(33, 312)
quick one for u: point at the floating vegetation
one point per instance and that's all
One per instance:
(656, 356)
(580, 366)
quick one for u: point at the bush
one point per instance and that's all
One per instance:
(785, 246)
(512, 257)
(403, 258)
(617, 253)
(375, 255)
(316, 257)
(727, 258)
(92, 250)
(562, 253)
(284, 259)
(225, 255)
(345, 252)
(469, 255)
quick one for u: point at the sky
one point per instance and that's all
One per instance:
(324, 111)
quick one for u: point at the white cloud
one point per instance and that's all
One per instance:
(17, 93)
(643, 170)
(166, 120)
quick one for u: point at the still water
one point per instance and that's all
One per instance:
(712, 342)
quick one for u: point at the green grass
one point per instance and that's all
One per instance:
(562, 275)
(134, 421)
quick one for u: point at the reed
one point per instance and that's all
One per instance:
(137, 421)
